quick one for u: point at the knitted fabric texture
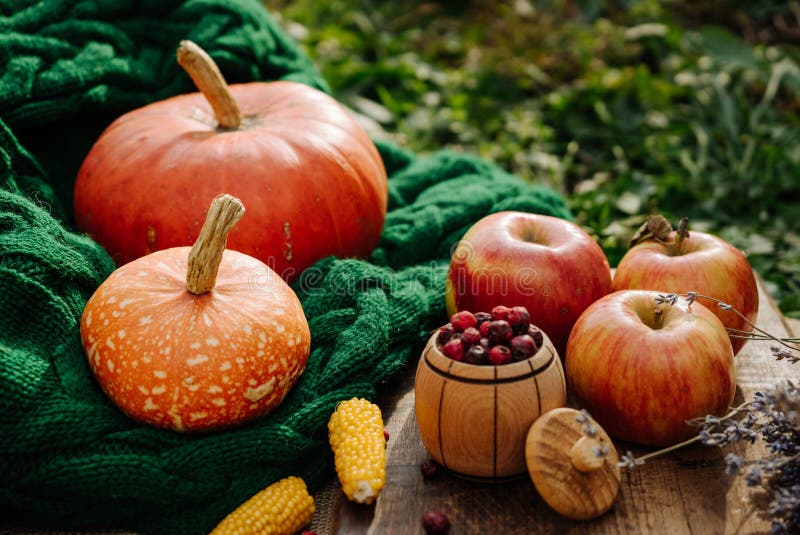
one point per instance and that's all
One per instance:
(67, 455)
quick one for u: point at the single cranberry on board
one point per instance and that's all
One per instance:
(435, 523)
(429, 469)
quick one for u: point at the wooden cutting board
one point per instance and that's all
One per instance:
(682, 492)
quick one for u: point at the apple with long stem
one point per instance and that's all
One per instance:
(677, 261)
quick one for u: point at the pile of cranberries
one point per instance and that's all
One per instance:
(501, 336)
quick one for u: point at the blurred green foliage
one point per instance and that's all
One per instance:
(628, 107)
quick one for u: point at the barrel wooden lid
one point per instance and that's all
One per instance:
(573, 463)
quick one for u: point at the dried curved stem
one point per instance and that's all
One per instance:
(640, 460)
(757, 333)
(206, 253)
(681, 233)
(209, 80)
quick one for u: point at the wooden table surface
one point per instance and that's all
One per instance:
(682, 492)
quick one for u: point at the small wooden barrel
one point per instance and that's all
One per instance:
(474, 419)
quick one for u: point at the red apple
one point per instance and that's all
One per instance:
(642, 369)
(548, 265)
(701, 263)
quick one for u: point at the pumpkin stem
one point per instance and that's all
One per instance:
(206, 253)
(209, 80)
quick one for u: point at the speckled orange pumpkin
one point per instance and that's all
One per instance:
(196, 338)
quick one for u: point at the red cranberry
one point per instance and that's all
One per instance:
(483, 328)
(476, 355)
(445, 334)
(499, 312)
(463, 320)
(308, 532)
(435, 523)
(470, 337)
(386, 435)
(454, 349)
(523, 347)
(500, 332)
(482, 317)
(429, 469)
(536, 334)
(519, 319)
(499, 355)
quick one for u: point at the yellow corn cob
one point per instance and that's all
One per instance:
(355, 431)
(280, 509)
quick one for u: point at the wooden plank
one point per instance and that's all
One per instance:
(682, 492)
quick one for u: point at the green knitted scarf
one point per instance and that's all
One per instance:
(67, 455)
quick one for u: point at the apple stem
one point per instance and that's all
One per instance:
(681, 233)
(658, 316)
(206, 253)
(209, 80)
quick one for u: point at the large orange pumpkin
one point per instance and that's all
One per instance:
(313, 182)
(196, 338)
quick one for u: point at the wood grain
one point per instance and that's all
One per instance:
(682, 492)
(473, 419)
(566, 471)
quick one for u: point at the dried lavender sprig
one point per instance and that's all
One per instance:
(756, 334)
(630, 462)
(774, 415)
(602, 451)
(587, 423)
(764, 467)
(738, 333)
(783, 354)
(787, 342)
